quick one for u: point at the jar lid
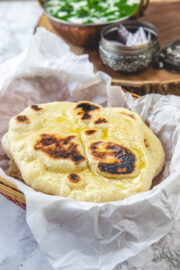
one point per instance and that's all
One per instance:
(170, 57)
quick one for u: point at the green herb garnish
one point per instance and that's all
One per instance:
(90, 11)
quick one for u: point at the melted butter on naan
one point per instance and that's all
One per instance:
(83, 151)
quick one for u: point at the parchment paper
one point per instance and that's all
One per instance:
(78, 235)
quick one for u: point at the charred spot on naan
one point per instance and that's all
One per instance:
(36, 107)
(100, 121)
(90, 132)
(59, 148)
(22, 119)
(85, 109)
(74, 178)
(113, 159)
(128, 114)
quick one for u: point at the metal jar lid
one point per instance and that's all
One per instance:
(169, 57)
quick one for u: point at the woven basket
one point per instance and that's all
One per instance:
(12, 193)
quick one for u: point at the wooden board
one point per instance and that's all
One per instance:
(165, 15)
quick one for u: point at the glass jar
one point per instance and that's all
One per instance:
(128, 59)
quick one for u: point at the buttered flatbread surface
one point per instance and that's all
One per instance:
(83, 151)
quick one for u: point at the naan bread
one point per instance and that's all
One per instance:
(83, 151)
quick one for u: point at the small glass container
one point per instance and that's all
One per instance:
(128, 59)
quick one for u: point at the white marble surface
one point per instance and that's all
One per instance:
(18, 248)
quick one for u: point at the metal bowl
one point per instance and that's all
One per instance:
(86, 35)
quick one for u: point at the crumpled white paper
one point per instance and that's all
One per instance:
(78, 235)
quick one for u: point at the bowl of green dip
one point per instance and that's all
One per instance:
(80, 21)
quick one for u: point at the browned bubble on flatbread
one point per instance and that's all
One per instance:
(86, 108)
(36, 107)
(100, 121)
(22, 119)
(146, 142)
(59, 148)
(90, 132)
(128, 114)
(74, 178)
(121, 159)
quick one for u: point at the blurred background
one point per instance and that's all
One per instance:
(17, 22)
